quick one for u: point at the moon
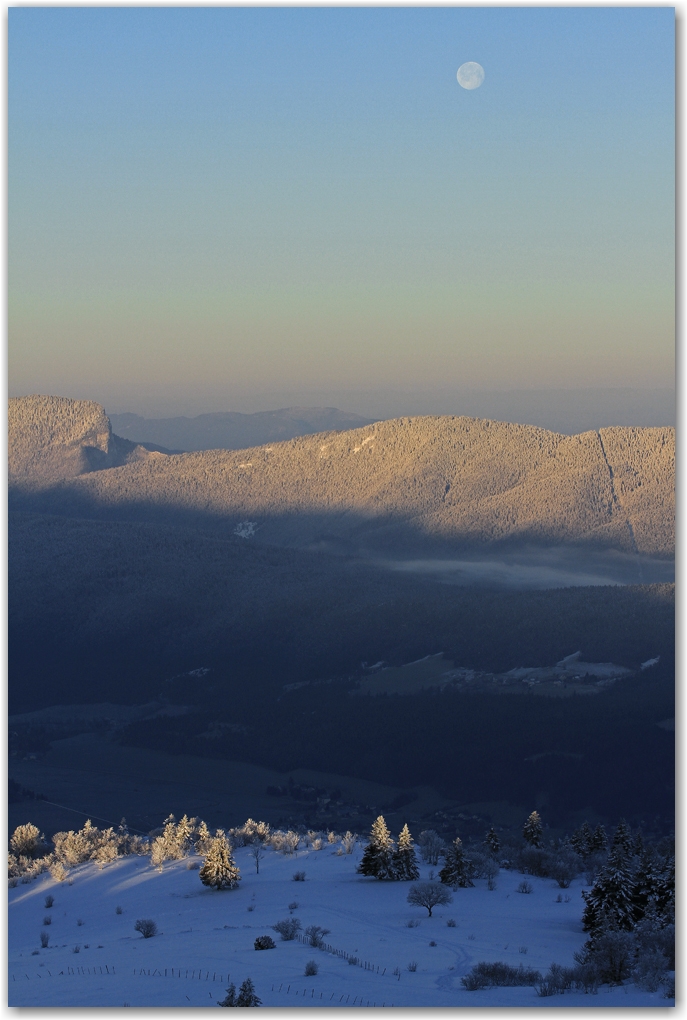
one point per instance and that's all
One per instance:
(470, 75)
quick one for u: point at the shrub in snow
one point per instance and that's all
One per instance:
(49, 901)
(294, 905)
(79, 922)
(287, 929)
(450, 923)
(429, 895)
(45, 938)
(13, 883)
(76, 949)
(220, 870)
(193, 865)
(285, 842)
(499, 975)
(147, 927)
(524, 887)
(299, 876)
(47, 919)
(315, 935)
(348, 841)
(264, 942)
(118, 910)
(431, 846)
(353, 961)
(566, 865)
(412, 966)
(413, 923)
(311, 968)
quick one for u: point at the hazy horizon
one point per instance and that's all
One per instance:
(250, 201)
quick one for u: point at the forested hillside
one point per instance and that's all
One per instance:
(400, 485)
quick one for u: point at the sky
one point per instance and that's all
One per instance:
(210, 206)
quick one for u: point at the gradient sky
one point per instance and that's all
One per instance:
(209, 204)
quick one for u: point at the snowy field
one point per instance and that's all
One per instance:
(206, 938)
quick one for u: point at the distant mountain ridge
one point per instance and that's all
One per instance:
(232, 430)
(442, 481)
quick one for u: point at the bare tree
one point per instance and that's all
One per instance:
(429, 895)
(257, 852)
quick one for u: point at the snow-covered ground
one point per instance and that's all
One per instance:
(206, 938)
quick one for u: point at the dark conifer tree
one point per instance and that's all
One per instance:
(404, 861)
(599, 840)
(378, 856)
(492, 842)
(533, 830)
(247, 996)
(581, 840)
(622, 837)
(645, 884)
(457, 869)
(608, 904)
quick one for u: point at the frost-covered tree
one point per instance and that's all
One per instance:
(203, 839)
(220, 870)
(431, 846)
(174, 843)
(378, 855)
(26, 841)
(492, 842)
(429, 895)
(533, 830)
(457, 869)
(257, 852)
(72, 848)
(404, 861)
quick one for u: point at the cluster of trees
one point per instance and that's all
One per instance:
(629, 912)
(385, 859)
(30, 852)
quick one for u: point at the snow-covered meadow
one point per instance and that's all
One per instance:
(206, 937)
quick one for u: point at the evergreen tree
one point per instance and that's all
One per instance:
(378, 856)
(220, 870)
(404, 860)
(599, 840)
(533, 830)
(581, 840)
(457, 869)
(247, 996)
(645, 885)
(622, 837)
(230, 998)
(608, 904)
(492, 842)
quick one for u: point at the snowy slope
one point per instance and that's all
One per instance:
(206, 938)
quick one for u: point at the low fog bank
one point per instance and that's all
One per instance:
(559, 567)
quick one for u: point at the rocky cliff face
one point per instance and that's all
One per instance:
(50, 439)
